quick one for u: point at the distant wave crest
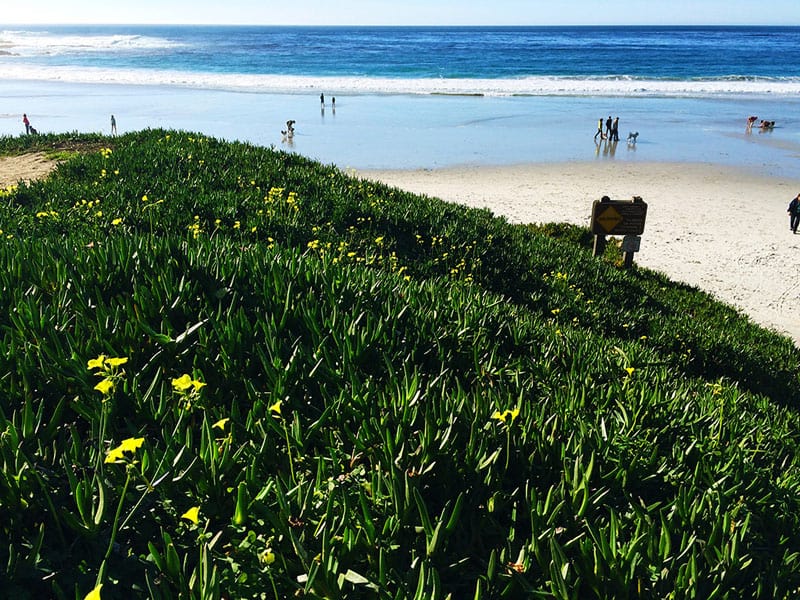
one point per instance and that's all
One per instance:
(617, 85)
(39, 43)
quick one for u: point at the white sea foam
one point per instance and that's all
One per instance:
(290, 84)
(40, 43)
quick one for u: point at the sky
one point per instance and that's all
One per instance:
(402, 12)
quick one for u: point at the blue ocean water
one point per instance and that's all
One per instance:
(489, 60)
(421, 96)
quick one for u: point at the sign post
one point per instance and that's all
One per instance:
(619, 217)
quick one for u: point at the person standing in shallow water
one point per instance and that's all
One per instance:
(322, 99)
(614, 137)
(599, 130)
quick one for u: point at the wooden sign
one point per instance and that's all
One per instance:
(619, 217)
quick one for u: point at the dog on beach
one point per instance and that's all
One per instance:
(289, 131)
(632, 137)
(33, 130)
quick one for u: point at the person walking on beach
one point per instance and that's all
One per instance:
(614, 137)
(608, 127)
(113, 125)
(322, 99)
(26, 122)
(599, 130)
(794, 213)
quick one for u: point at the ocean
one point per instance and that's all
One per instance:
(421, 97)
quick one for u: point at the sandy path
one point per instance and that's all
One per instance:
(24, 167)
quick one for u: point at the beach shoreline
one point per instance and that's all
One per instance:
(720, 228)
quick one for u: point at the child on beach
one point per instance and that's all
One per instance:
(599, 130)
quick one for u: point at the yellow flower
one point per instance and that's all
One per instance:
(114, 455)
(182, 383)
(276, 408)
(105, 386)
(95, 593)
(116, 221)
(221, 423)
(267, 556)
(128, 445)
(192, 514)
(630, 370)
(116, 362)
(502, 416)
(131, 444)
(96, 363)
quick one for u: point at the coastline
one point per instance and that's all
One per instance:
(426, 131)
(720, 228)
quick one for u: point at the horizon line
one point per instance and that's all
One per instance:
(387, 25)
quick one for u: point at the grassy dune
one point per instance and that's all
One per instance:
(233, 372)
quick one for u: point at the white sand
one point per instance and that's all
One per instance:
(722, 229)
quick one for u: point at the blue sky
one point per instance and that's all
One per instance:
(404, 12)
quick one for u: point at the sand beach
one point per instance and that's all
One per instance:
(723, 229)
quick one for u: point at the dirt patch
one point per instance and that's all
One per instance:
(24, 167)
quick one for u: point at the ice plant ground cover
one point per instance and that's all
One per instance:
(231, 372)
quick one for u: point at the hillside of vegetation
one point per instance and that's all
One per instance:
(232, 372)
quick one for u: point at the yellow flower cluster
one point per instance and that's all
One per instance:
(107, 368)
(188, 388)
(195, 228)
(276, 203)
(186, 383)
(86, 205)
(105, 362)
